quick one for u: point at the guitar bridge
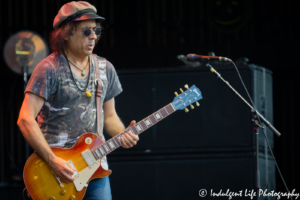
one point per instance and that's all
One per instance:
(61, 185)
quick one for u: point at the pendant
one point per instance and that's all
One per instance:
(88, 94)
(82, 74)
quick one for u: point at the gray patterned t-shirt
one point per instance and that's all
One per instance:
(67, 112)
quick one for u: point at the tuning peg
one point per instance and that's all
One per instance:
(197, 104)
(176, 94)
(181, 90)
(186, 86)
(186, 110)
(192, 107)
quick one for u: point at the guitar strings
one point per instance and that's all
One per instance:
(80, 161)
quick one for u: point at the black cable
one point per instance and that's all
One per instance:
(6, 125)
(261, 127)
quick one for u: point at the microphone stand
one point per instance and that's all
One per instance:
(257, 172)
(255, 120)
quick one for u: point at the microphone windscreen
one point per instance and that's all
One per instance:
(190, 57)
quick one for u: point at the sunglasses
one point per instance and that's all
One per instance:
(88, 31)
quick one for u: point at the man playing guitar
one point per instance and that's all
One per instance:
(61, 94)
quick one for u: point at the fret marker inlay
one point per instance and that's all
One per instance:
(157, 116)
(138, 127)
(147, 121)
(111, 144)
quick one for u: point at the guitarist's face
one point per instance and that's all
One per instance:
(77, 43)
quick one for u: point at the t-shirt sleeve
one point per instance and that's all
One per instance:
(42, 80)
(114, 86)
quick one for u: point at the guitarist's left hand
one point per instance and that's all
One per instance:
(129, 139)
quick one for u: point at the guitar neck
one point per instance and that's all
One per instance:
(137, 129)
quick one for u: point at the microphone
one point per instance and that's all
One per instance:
(183, 59)
(199, 58)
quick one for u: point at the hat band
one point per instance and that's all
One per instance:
(77, 15)
(80, 13)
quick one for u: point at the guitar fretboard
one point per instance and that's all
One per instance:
(138, 128)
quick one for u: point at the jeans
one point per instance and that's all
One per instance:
(98, 189)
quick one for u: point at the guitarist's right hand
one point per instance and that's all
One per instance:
(62, 169)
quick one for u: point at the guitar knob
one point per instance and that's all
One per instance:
(176, 94)
(186, 110)
(52, 198)
(63, 192)
(72, 197)
(186, 86)
(192, 107)
(197, 104)
(181, 90)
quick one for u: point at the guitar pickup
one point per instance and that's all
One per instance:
(88, 157)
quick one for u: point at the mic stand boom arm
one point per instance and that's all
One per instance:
(266, 122)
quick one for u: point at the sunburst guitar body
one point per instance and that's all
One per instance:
(42, 183)
(86, 155)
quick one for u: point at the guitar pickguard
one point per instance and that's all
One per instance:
(84, 175)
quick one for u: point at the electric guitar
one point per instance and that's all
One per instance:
(85, 156)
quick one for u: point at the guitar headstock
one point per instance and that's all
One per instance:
(187, 98)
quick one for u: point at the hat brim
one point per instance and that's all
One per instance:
(89, 16)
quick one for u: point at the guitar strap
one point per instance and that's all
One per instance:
(98, 95)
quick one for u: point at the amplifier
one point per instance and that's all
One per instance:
(182, 177)
(222, 123)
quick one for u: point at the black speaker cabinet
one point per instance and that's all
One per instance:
(183, 177)
(211, 147)
(221, 123)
